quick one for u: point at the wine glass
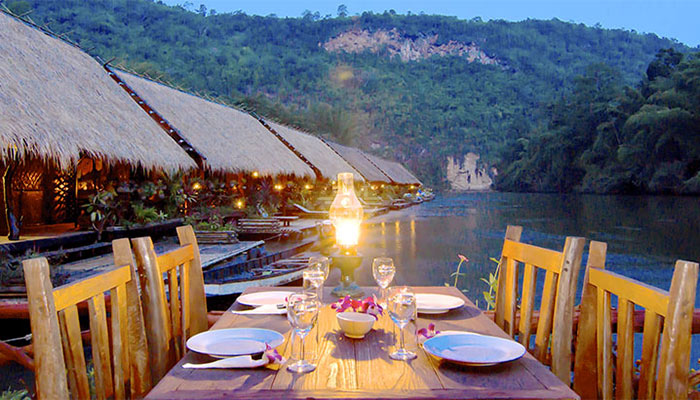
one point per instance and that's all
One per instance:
(402, 308)
(318, 269)
(320, 262)
(314, 277)
(383, 271)
(302, 313)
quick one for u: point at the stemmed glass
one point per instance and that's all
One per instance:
(314, 277)
(383, 271)
(402, 308)
(316, 274)
(302, 313)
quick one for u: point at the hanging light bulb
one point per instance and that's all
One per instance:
(346, 212)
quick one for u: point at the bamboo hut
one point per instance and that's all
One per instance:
(356, 158)
(395, 171)
(312, 149)
(232, 141)
(60, 116)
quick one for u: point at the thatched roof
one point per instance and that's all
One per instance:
(230, 140)
(357, 159)
(58, 103)
(397, 172)
(325, 159)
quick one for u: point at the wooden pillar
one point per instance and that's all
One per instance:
(3, 213)
(11, 218)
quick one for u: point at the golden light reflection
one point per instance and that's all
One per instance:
(240, 204)
(383, 227)
(196, 186)
(255, 174)
(413, 238)
(278, 187)
(397, 236)
(307, 186)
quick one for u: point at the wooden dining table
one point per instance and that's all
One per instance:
(350, 368)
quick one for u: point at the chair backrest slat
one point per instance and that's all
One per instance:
(194, 284)
(586, 357)
(155, 309)
(667, 325)
(502, 306)
(675, 343)
(554, 333)
(100, 346)
(120, 345)
(544, 323)
(625, 348)
(51, 382)
(175, 313)
(138, 357)
(528, 297)
(605, 344)
(61, 368)
(650, 354)
(173, 317)
(73, 352)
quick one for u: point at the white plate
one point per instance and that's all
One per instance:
(429, 303)
(264, 298)
(222, 343)
(473, 349)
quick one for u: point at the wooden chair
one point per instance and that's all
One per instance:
(554, 331)
(58, 346)
(662, 374)
(171, 319)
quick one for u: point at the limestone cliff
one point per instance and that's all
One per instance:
(466, 175)
(408, 49)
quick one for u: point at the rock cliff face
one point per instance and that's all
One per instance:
(357, 41)
(465, 175)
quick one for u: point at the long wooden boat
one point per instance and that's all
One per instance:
(280, 268)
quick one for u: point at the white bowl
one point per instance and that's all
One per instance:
(355, 325)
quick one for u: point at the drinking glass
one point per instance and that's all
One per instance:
(320, 262)
(383, 271)
(314, 277)
(302, 313)
(318, 270)
(402, 308)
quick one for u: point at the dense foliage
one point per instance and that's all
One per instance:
(417, 112)
(608, 138)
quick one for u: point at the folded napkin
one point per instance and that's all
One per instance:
(231, 362)
(270, 309)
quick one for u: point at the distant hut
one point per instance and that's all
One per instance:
(64, 127)
(231, 141)
(356, 158)
(397, 173)
(312, 149)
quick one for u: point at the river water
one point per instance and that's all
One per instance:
(645, 234)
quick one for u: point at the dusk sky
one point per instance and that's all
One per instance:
(676, 19)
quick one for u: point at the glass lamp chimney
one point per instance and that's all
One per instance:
(346, 212)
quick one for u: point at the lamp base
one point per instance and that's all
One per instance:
(347, 264)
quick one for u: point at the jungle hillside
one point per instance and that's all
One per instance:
(552, 105)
